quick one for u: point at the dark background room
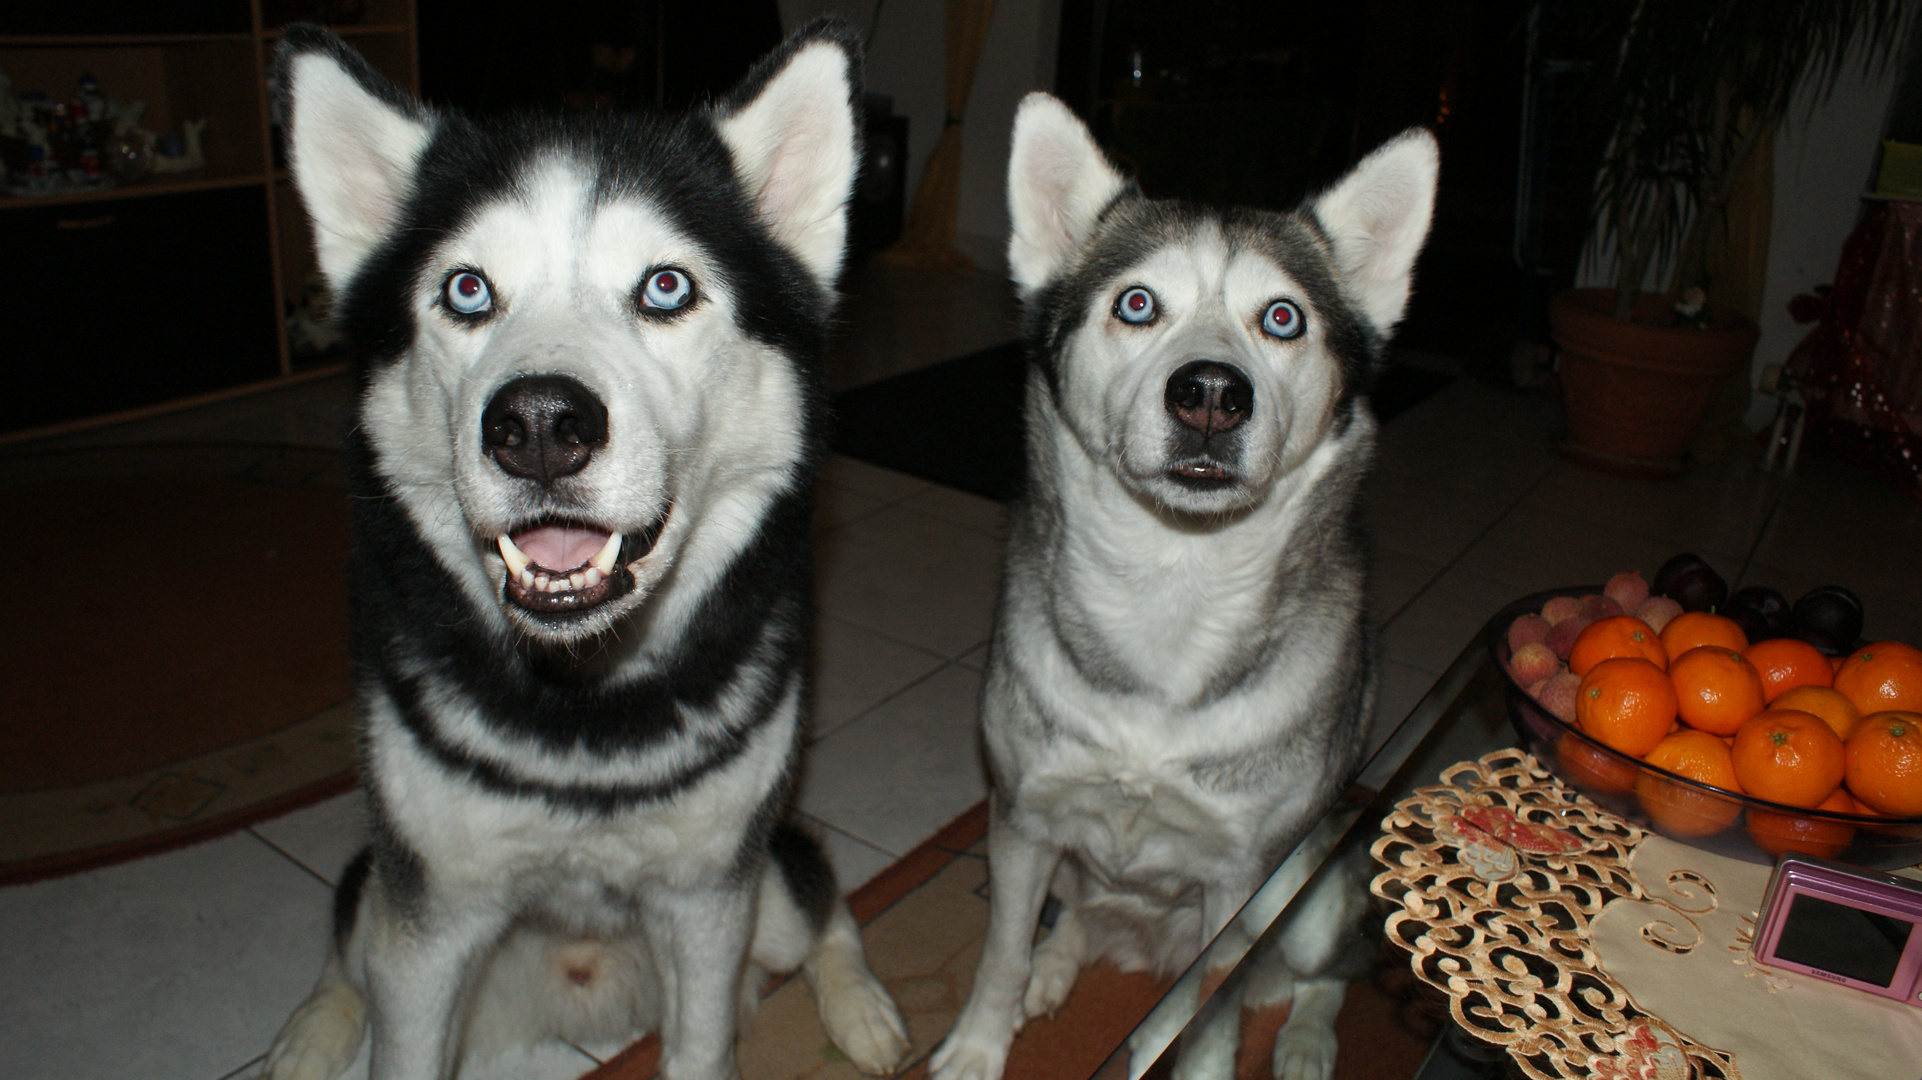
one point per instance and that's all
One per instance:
(178, 794)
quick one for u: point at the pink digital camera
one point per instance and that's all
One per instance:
(1845, 925)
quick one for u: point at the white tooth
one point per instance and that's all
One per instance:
(513, 556)
(527, 579)
(593, 576)
(576, 579)
(541, 583)
(610, 551)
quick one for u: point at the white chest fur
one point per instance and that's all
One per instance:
(575, 864)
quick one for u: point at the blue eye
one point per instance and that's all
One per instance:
(1282, 319)
(666, 290)
(467, 293)
(1137, 305)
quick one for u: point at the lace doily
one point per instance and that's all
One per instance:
(1496, 876)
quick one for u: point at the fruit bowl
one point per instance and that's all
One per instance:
(1682, 809)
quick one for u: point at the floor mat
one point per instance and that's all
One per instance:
(958, 422)
(179, 668)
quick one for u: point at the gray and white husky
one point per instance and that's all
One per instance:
(588, 426)
(1181, 675)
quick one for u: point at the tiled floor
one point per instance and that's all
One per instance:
(184, 965)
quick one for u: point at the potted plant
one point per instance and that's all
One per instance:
(1687, 89)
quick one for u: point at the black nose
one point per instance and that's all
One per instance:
(1210, 397)
(543, 427)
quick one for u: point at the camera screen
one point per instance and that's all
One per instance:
(1860, 945)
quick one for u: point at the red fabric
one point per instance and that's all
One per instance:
(1861, 367)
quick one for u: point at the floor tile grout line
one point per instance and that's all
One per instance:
(1466, 548)
(948, 520)
(243, 1067)
(859, 839)
(901, 505)
(885, 636)
(291, 857)
(917, 681)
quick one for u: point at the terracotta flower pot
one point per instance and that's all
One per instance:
(1634, 393)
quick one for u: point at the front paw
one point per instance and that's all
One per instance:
(321, 1039)
(968, 1057)
(861, 1019)
(1305, 1053)
(1051, 978)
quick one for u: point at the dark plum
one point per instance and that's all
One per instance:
(1762, 612)
(1698, 588)
(1829, 618)
(1686, 561)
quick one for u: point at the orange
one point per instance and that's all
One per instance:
(1788, 757)
(1694, 629)
(1883, 676)
(1626, 703)
(1884, 767)
(1716, 690)
(1680, 809)
(1823, 702)
(1778, 833)
(1786, 663)
(1699, 756)
(1591, 768)
(1620, 635)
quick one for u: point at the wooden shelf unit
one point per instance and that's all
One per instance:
(218, 70)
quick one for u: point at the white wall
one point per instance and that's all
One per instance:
(1823, 163)
(906, 61)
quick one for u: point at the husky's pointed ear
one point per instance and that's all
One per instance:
(1377, 217)
(790, 127)
(354, 142)
(1059, 182)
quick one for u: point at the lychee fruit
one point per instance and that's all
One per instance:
(1561, 607)
(1557, 695)
(1533, 663)
(1527, 630)
(1656, 611)
(1627, 589)
(1596, 607)
(1561, 636)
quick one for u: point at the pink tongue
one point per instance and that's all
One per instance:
(560, 547)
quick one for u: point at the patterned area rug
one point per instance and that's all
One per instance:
(173, 648)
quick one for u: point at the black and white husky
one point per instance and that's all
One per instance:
(588, 427)
(1181, 675)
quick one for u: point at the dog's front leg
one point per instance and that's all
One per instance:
(1019, 869)
(699, 938)
(420, 957)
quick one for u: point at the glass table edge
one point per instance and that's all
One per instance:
(1271, 901)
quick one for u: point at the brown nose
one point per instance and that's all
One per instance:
(1210, 397)
(543, 427)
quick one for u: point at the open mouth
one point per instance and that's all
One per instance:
(1202, 474)
(568, 567)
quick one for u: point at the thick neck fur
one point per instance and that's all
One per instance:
(1184, 600)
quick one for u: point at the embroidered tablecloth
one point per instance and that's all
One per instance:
(1589, 947)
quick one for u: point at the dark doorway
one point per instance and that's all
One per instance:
(624, 54)
(1263, 104)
